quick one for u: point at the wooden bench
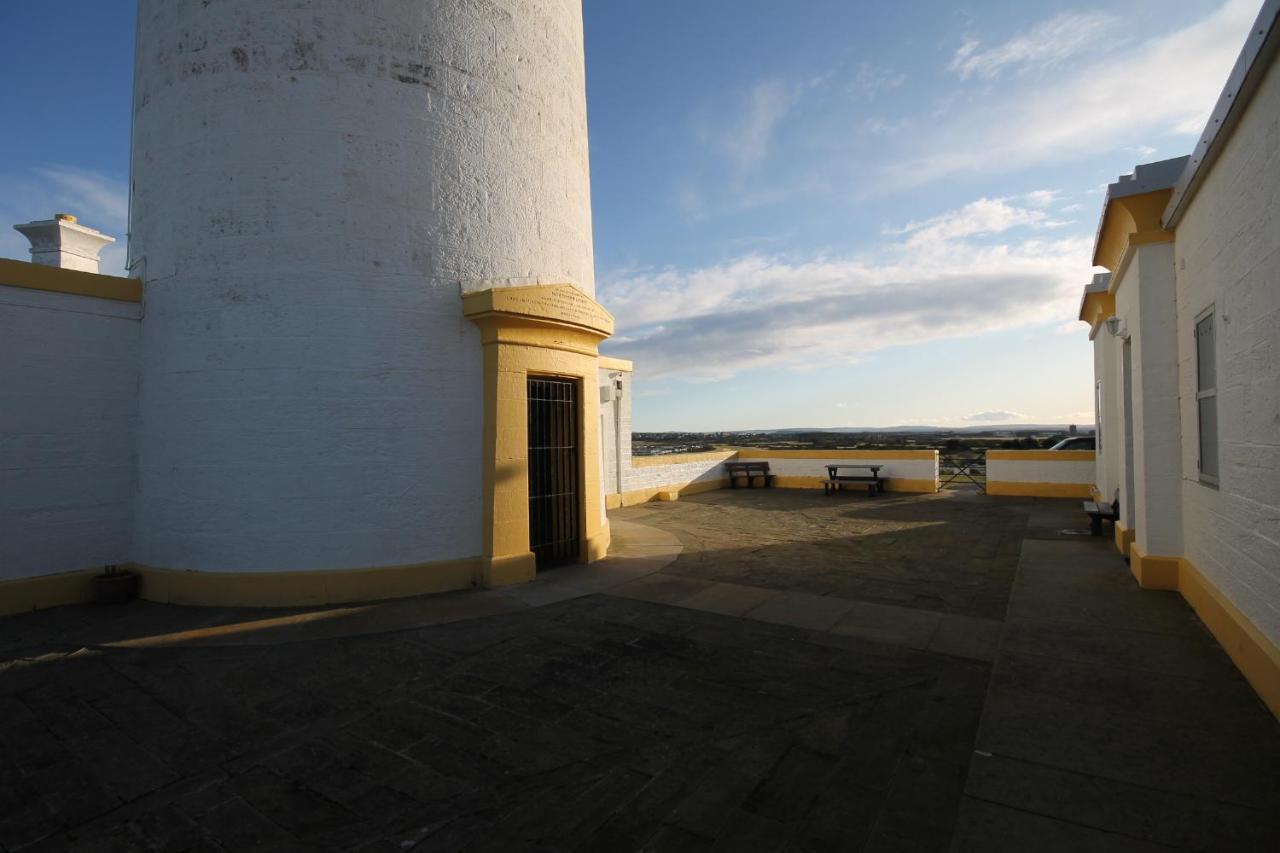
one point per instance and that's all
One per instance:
(750, 470)
(1097, 512)
(871, 479)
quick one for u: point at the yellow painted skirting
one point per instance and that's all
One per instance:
(892, 484)
(836, 454)
(74, 282)
(1123, 537)
(1153, 572)
(25, 594)
(672, 492)
(1042, 455)
(678, 458)
(1038, 490)
(251, 589)
(1254, 654)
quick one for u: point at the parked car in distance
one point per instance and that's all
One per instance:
(1076, 442)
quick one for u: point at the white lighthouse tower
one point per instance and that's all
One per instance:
(365, 235)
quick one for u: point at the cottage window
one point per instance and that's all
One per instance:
(1207, 397)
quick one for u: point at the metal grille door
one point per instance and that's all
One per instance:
(554, 525)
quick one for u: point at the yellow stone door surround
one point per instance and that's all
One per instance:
(535, 330)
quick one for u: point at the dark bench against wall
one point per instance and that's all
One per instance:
(1097, 512)
(750, 470)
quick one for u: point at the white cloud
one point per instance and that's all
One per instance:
(870, 79)
(939, 278)
(747, 144)
(997, 416)
(1166, 84)
(100, 201)
(1047, 43)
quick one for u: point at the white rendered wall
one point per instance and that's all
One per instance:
(68, 407)
(655, 472)
(1228, 256)
(313, 182)
(1143, 303)
(1070, 467)
(892, 469)
(1108, 458)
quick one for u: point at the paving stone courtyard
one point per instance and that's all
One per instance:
(796, 672)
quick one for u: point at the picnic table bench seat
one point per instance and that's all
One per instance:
(868, 475)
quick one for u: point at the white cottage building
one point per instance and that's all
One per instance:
(1186, 334)
(357, 353)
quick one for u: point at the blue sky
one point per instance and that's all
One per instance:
(815, 213)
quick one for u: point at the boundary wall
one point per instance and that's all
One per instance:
(1041, 473)
(666, 478)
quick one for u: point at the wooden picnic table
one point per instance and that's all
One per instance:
(836, 480)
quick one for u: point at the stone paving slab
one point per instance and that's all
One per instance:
(706, 693)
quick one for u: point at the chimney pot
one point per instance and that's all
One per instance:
(64, 242)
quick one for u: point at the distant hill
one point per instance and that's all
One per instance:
(1081, 428)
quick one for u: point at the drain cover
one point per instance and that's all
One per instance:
(1074, 532)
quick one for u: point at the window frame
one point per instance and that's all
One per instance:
(1211, 393)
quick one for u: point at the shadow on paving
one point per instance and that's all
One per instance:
(1108, 720)
(594, 724)
(950, 553)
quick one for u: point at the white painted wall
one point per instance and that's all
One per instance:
(895, 469)
(1070, 467)
(700, 468)
(1110, 451)
(1145, 308)
(68, 407)
(313, 183)
(1228, 256)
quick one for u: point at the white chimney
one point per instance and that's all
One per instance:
(62, 242)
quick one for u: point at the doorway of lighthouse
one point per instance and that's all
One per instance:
(555, 522)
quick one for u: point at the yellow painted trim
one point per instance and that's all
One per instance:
(679, 458)
(75, 282)
(1042, 455)
(892, 484)
(616, 364)
(1008, 488)
(673, 492)
(250, 589)
(1123, 538)
(542, 330)
(1096, 309)
(26, 594)
(1253, 653)
(1127, 222)
(1153, 572)
(754, 453)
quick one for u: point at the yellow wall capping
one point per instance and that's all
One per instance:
(678, 458)
(74, 282)
(1005, 488)
(1042, 455)
(754, 453)
(616, 364)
